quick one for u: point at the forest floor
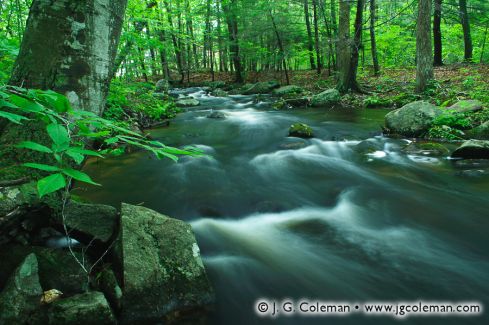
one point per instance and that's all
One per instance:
(392, 88)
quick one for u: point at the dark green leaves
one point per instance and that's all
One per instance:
(34, 146)
(79, 176)
(59, 135)
(15, 118)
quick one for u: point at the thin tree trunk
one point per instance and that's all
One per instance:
(464, 19)
(176, 47)
(424, 51)
(280, 46)
(316, 36)
(164, 59)
(437, 41)
(230, 12)
(357, 43)
(373, 42)
(484, 44)
(309, 35)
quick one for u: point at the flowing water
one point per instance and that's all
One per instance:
(280, 217)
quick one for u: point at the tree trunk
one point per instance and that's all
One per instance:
(343, 57)
(484, 44)
(70, 47)
(424, 51)
(357, 44)
(280, 46)
(373, 42)
(316, 36)
(176, 47)
(164, 59)
(464, 19)
(309, 35)
(229, 9)
(438, 57)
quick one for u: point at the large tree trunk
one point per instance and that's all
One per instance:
(316, 36)
(351, 79)
(464, 19)
(438, 58)
(373, 42)
(343, 57)
(309, 35)
(229, 8)
(424, 50)
(70, 47)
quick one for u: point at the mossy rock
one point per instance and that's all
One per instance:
(427, 149)
(301, 130)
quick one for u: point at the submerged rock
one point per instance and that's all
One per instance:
(86, 308)
(21, 296)
(472, 149)
(89, 221)
(261, 88)
(288, 90)
(427, 149)
(413, 119)
(190, 102)
(216, 115)
(301, 130)
(465, 106)
(163, 270)
(326, 98)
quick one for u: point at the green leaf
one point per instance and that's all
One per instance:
(26, 105)
(77, 157)
(112, 140)
(79, 176)
(4, 103)
(33, 146)
(14, 118)
(50, 184)
(59, 135)
(44, 167)
(84, 152)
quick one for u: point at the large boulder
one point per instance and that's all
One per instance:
(465, 106)
(300, 130)
(261, 88)
(163, 270)
(481, 132)
(22, 294)
(472, 149)
(413, 119)
(190, 102)
(162, 86)
(89, 221)
(86, 308)
(288, 90)
(326, 98)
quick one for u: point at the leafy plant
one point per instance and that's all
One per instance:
(69, 131)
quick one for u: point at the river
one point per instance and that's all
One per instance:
(280, 217)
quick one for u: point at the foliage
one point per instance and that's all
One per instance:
(8, 52)
(69, 132)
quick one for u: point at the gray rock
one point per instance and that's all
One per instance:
(107, 282)
(326, 98)
(298, 102)
(300, 130)
(13, 197)
(369, 146)
(413, 119)
(190, 102)
(472, 149)
(219, 93)
(481, 132)
(216, 115)
(288, 90)
(162, 86)
(86, 308)
(21, 296)
(261, 88)
(89, 221)
(431, 149)
(163, 270)
(464, 106)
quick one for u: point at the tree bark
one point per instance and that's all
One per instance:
(464, 19)
(424, 50)
(343, 57)
(316, 36)
(351, 78)
(70, 47)
(373, 42)
(176, 46)
(309, 35)
(280, 46)
(437, 41)
(229, 9)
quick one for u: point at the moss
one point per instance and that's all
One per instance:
(301, 130)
